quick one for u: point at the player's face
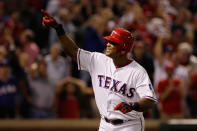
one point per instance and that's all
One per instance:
(111, 49)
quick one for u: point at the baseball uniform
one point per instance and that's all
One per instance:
(113, 85)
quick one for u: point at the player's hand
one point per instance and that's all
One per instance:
(48, 20)
(123, 107)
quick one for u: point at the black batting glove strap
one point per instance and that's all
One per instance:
(135, 106)
(60, 31)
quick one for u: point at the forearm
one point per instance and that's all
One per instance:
(144, 104)
(158, 49)
(68, 45)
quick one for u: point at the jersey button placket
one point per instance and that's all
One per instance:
(109, 97)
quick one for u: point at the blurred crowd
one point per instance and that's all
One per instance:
(38, 80)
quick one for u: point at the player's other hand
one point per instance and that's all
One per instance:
(48, 20)
(123, 107)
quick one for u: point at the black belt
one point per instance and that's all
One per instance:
(115, 121)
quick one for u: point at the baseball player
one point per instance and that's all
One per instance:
(121, 86)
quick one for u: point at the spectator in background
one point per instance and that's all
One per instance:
(192, 95)
(180, 27)
(15, 5)
(83, 10)
(43, 92)
(15, 25)
(182, 71)
(8, 91)
(95, 27)
(169, 53)
(185, 54)
(194, 24)
(53, 6)
(162, 56)
(3, 53)
(69, 93)
(29, 47)
(5, 33)
(3, 19)
(58, 67)
(144, 59)
(17, 63)
(171, 94)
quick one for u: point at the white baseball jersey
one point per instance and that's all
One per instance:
(113, 85)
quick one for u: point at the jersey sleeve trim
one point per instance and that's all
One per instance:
(78, 59)
(152, 98)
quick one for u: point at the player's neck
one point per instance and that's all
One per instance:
(121, 61)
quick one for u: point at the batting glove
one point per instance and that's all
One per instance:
(48, 20)
(123, 107)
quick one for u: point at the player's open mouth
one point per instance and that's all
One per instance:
(108, 50)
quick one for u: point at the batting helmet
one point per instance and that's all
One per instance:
(123, 38)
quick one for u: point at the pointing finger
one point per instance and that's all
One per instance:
(45, 13)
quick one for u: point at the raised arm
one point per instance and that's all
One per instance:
(158, 49)
(67, 43)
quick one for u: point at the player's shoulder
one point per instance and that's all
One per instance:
(90, 53)
(94, 56)
(99, 55)
(137, 67)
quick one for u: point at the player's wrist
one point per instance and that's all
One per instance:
(59, 29)
(135, 106)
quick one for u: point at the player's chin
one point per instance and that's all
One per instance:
(107, 53)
